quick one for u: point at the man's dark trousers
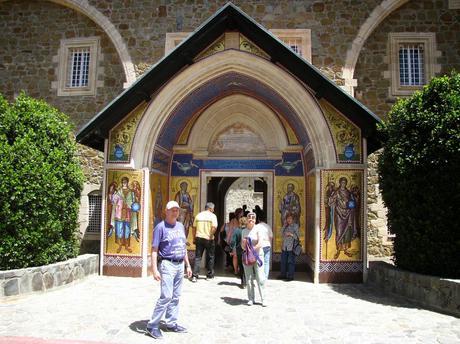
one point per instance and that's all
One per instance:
(201, 245)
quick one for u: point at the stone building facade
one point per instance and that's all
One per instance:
(354, 43)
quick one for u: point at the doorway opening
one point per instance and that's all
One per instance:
(231, 190)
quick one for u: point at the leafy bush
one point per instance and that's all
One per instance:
(40, 185)
(420, 179)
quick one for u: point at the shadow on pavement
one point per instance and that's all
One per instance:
(232, 301)
(371, 294)
(139, 326)
(229, 283)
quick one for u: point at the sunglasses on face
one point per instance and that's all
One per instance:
(251, 216)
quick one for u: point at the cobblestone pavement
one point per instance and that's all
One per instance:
(115, 310)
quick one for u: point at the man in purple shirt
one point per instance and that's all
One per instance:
(169, 252)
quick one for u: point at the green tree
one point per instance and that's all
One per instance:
(40, 184)
(420, 179)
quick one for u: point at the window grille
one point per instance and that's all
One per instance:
(95, 212)
(79, 67)
(411, 65)
(294, 43)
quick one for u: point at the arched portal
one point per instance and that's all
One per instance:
(236, 114)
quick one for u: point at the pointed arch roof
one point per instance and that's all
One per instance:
(228, 18)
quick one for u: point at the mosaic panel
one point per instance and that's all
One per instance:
(121, 137)
(289, 196)
(121, 261)
(214, 48)
(341, 215)
(290, 165)
(311, 203)
(250, 47)
(158, 200)
(340, 267)
(346, 135)
(185, 191)
(124, 199)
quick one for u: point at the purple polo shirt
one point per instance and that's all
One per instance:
(170, 240)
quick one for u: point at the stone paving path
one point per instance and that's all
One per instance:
(116, 309)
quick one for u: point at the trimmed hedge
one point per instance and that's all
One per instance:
(40, 185)
(419, 174)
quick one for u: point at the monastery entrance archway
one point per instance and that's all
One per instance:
(237, 122)
(235, 114)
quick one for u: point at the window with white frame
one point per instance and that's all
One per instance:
(412, 61)
(411, 64)
(299, 40)
(173, 39)
(94, 212)
(77, 66)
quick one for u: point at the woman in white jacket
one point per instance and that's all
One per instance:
(253, 273)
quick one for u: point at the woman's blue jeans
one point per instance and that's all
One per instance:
(287, 264)
(267, 251)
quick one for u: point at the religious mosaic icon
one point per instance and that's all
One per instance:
(186, 207)
(342, 195)
(124, 199)
(346, 135)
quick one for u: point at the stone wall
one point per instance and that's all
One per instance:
(439, 294)
(43, 278)
(26, 58)
(372, 68)
(27, 50)
(238, 195)
(334, 23)
(30, 36)
(92, 163)
(379, 244)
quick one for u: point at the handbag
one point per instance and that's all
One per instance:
(297, 247)
(250, 256)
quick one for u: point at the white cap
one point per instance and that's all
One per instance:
(172, 204)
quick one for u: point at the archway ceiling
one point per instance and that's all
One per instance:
(228, 18)
(218, 88)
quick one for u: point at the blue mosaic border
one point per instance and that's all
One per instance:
(290, 165)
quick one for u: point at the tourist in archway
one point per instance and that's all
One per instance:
(169, 252)
(204, 228)
(289, 233)
(254, 273)
(266, 235)
(237, 250)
